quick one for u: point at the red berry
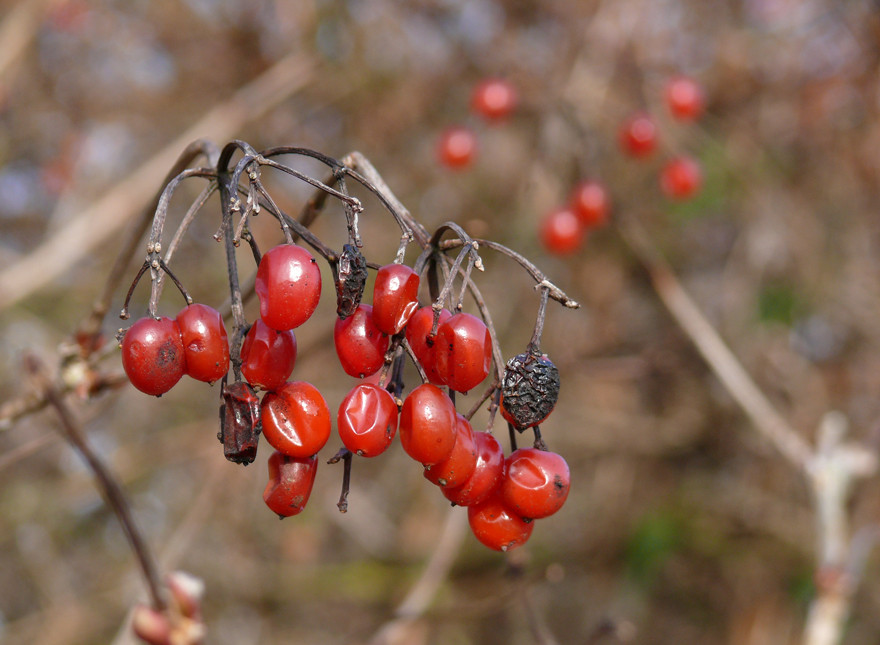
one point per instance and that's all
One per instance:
(487, 473)
(535, 482)
(424, 346)
(427, 425)
(395, 297)
(205, 344)
(367, 420)
(638, 135)
(359, 344)
(681, 178)
(290, 483)
(288, 284)
(589, 201)
(494, 99)
(562, 232)
(267, 356)
(457, 147)
(152, 355)
(497, 526)
(461, 462)
(296, 420)
(464, 351)
(684, 96)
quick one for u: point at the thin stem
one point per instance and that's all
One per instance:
(344, 454)
(109, 487)
(415, 360)
(534, 346)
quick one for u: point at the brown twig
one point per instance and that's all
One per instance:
(109, 487)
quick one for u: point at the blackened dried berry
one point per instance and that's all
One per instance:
(352, 276)
(529, 389)
(240, 424)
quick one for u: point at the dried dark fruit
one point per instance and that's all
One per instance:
(240, 424)
(352, 276)
(529, 389)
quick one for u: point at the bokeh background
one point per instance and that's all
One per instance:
(683, 525)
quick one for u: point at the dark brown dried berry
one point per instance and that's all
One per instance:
(240, 424)
(352, 276)
(529, 389)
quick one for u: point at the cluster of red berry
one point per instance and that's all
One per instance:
(493, 100)
(454, 350)
(564, 229)
(681, 176)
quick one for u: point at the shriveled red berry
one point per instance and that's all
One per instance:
(638, 135)
(267, 356)
(494, 99)
(457, 147)
(367, 420)
(535, 482)
(461, 462)
(296, 420)
(464, 351)
(589, 201)
(681, 178)
(529, 389)
(152, 355)
(487, 473)
(497, 526)
(562, 232)
(360, 345)
(395, 297)
(240, 422)
(424, 346)
(290, 483)
(205, 343)
(288, 284)
(427, 425)
(684, 97)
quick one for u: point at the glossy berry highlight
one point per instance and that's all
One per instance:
(395, 297)
(427, 425)
(290, 483)
(494, 99)
(464, 351)
(267, 356)
(153, 355)
(367, 420)
(535, 483)
(296, 420)
(497, 526)
(360, 344)
(562, 232)
(457, 147)
(590, 202)
(205, 343)
(288, 284)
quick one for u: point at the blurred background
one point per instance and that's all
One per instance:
(683, 525)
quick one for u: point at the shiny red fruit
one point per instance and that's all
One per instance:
(457, 147)
(205, 344)
(290, 483)
(424, 346)
(638, 135)
(464, 351)
(494, 99)
(461, 462)
(684, 97)
(395, 297)
(367, 420)
(535, 482)
(590, 202)
(296, 420)
(487, 473)
(562, 232)
(267, 356)
(497, 526)
(360, 345)
(681, 178)
(288, 284)
(427, 425)
(152, 355)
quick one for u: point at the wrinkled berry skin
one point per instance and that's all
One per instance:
(529, 389)
(240, 424)
(351, 279)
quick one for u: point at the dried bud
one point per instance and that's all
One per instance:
(151, 626)
(240, 424)
(352, 272)
(529, 389)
